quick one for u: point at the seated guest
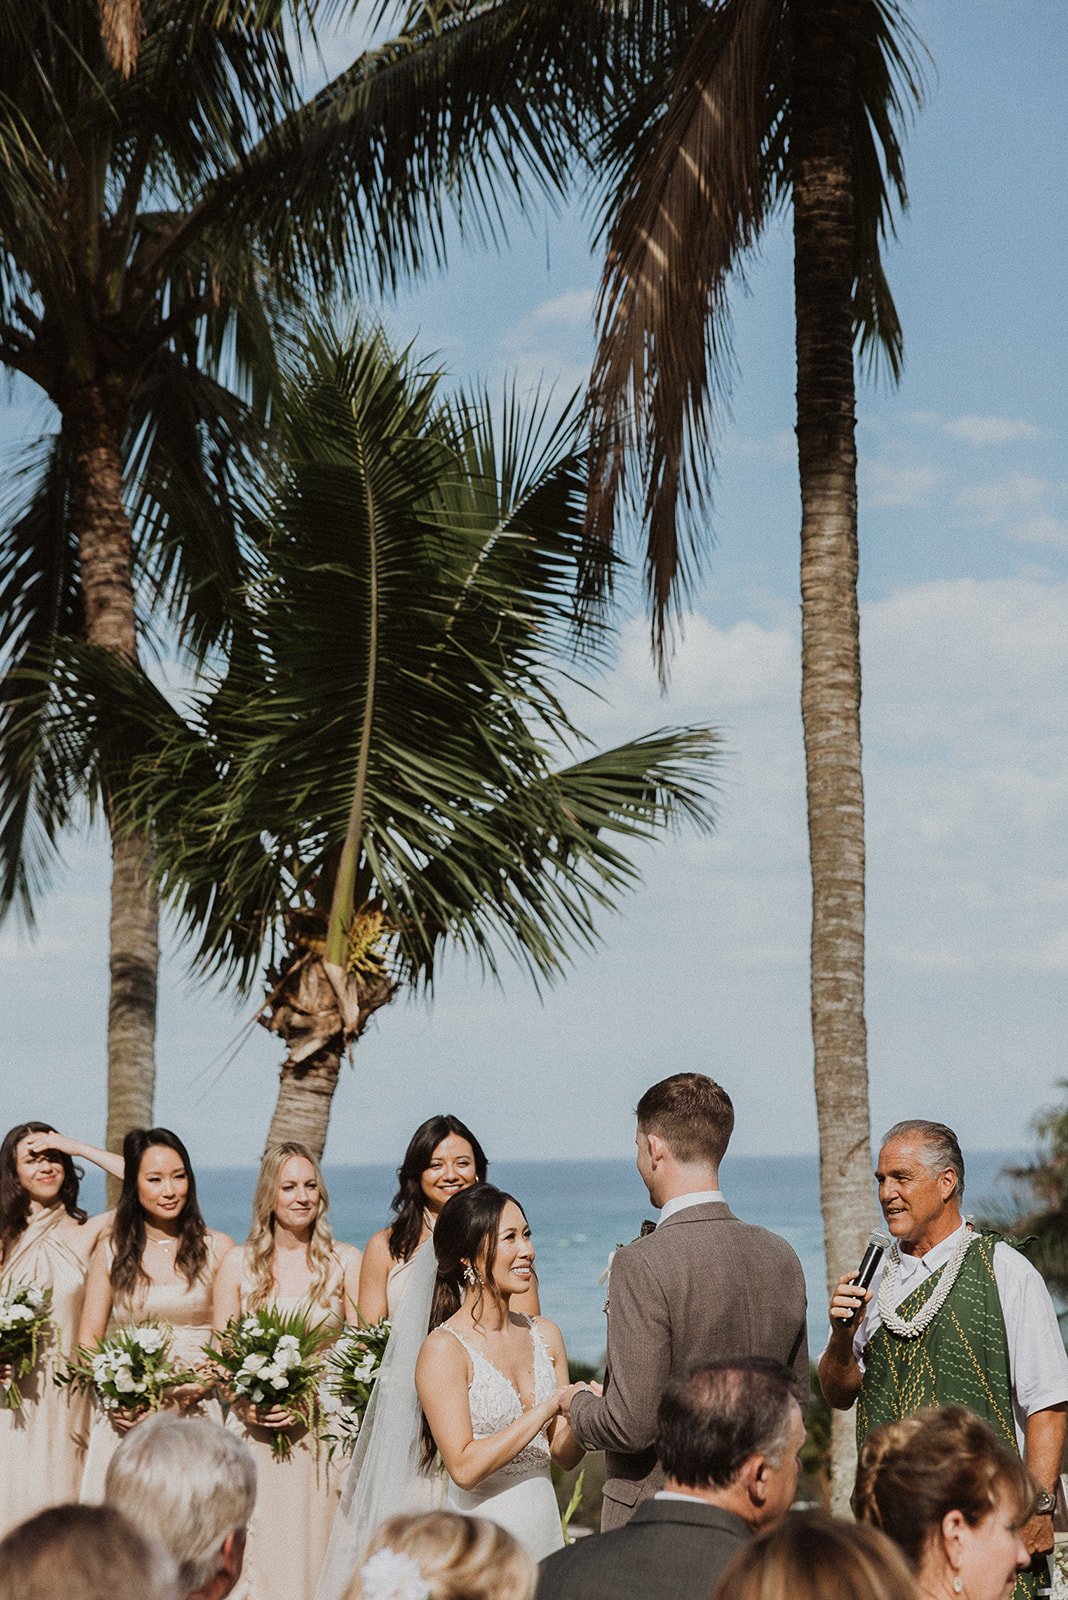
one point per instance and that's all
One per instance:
(190, 1484)
(811, 1556)
(84, 1553)
(444, 1555)
(727, 1438)
(952, 1498)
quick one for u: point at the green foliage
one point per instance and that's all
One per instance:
(1038, 1213)
(396, 697)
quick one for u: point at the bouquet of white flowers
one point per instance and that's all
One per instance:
(351, 1369)
(24, 1321)
(272, 1358)
(130, 1371)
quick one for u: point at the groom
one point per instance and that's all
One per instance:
(700, 1287)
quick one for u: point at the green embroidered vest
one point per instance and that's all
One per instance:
(960, 1359)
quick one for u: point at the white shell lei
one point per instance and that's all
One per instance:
(932, 1306)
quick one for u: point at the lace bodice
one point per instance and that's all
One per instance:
(494, 1399)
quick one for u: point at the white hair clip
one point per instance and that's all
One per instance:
(393, 1575)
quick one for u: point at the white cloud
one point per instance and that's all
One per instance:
(991, 430)
(1022, 505)
(571, 309)
(886, 485)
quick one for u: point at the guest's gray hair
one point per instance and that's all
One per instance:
(84, 1553)
(941, 1148)
(189, 1483)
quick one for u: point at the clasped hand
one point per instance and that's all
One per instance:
(566, 1396)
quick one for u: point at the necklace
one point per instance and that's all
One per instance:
(892, 1319)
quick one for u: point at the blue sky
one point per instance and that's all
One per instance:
(964, 589)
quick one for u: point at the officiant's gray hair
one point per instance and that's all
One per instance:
(940, 1147)
(188, 1482)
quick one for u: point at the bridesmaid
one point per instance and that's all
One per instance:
(443, 1157)
(157, 1263)
(290, 1259)
(46, 1238)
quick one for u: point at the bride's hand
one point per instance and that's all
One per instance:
(565, 1396)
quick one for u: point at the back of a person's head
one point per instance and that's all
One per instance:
(84, 1553)
(444, 1556)
(189, 1483)
(710, 1422)
(912, 1473)
(693, 1116)
(811, 1556)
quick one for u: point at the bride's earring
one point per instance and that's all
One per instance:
(471, 1277)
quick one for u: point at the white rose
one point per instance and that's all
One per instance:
(253, 1363)
(123, 1381)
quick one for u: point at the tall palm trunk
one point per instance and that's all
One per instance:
(824, 49)
(320, 1009)
(305, 1095)
(93, 419)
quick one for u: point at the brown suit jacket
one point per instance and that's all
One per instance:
(703, 1287)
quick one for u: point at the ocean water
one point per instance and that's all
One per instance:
(580, 1211)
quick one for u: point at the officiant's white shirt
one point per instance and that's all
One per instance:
(683, 1202)
(1038, 1365)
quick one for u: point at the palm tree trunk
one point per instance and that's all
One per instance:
(93, 419)
(824, 49)
(305, 1094)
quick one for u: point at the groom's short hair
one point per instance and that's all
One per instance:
(712, 1421)
(692, 1114)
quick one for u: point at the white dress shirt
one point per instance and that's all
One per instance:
(683, 1202)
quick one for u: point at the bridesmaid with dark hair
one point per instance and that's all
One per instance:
(46, 1239)
(157, 1263)
(443, 1157)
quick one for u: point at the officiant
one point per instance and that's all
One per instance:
(954, 1316)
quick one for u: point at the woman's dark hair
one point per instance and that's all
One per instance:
(409, 1201)
(465, 1237)
(128, 1229)
(14, 1201)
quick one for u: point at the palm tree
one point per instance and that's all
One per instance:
(385, 766)
(767, 103)
(154, 224)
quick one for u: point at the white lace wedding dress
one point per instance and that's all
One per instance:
(518, 1496)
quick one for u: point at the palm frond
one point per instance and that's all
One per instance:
(39, 604)
(890, 88)
(663, 361)
(394, 695)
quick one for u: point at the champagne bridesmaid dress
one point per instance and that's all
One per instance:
(186, 1309)
(42, 1446)
(296, 1497)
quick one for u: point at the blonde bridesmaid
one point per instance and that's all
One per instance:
(157, 1263)
(46, 1238)
(290, 1260)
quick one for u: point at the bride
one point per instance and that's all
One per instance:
(489, 1379)
(477, 1420)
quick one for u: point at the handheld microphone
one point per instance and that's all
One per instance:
(876, 1247)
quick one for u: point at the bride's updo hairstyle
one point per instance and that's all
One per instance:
(911, 1474)
(322, 1256)
(409, 1201)
(128, 1229)
(14, 1201)
(465, 1239)
(445, 1556)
